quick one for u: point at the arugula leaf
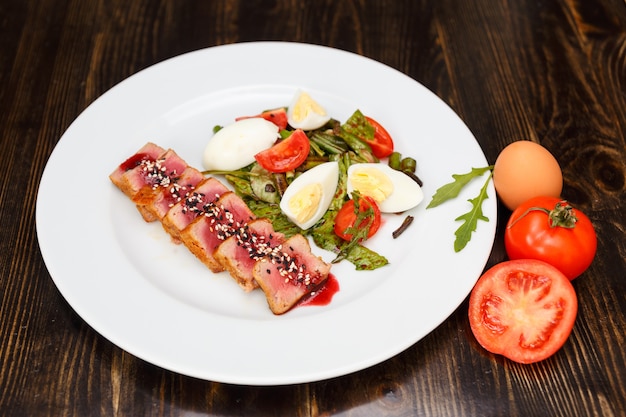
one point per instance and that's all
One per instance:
(470, 219)
(362, 258)
(355, 128)
(365, 259)
(452, 189)
(359, 230)
(358, 126)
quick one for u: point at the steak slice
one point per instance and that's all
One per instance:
(207, 232)
(195, 203)
(155, 175)
(123, 175)
(291, 275)
(218, 227)
(146, 179)
(167, 197)
(239, 253)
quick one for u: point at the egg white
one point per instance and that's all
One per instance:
(302, 103)
(234, 146)
(406, 192)
(327, 175)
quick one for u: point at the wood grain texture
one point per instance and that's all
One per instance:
(553, 71)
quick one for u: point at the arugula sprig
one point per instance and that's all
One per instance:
(470, 219)
(452, 189)
(359, 230)
(360, 256)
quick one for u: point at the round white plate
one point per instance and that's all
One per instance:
(152, 298)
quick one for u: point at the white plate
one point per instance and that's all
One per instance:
(155, 300)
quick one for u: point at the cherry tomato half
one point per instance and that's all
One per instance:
(346, 217)
(549, 229)
(276, 116)
(523, 310)
(382, 144)
(286, 155)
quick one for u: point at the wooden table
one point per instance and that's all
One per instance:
(549, 71)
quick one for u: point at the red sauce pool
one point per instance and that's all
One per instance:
(133, 161)
(323, 295)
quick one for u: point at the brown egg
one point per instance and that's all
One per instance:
(524, 170)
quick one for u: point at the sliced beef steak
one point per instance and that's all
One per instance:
(205, 233)
(287, 279)
(196, 203)
(239, 253)
(219, 228)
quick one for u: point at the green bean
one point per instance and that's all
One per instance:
(394, 160)
(329, 143)
(408, 164)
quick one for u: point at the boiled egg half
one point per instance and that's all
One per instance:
(307, 198)
(305, 113)
(393, 190)
(234, 146)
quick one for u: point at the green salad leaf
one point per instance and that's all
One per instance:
(273, 213)
(254, 185)
(452, 189)
(470, 219)
(361, 257)
(352, 130)
(323, 233)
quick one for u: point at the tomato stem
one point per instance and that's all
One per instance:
(562, 215)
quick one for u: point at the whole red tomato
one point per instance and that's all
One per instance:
(551, 230)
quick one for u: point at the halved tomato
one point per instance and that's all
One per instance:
(382, 144)
(347, 217)
(276, 116)
(523, 309)
(286, 155)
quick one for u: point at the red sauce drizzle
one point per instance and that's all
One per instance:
(133, 161)
(324, 294)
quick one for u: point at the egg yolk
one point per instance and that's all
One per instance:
(372, 183)
(304, 203)
(304, 106)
